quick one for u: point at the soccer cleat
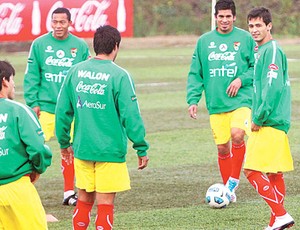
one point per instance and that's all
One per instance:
(283, 222)
(71, 200)
(268, 228)
(232, 185)
(232, 197)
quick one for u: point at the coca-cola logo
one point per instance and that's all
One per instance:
(91, 89)
(63, 62)
(86, 18)
(24, 20)
(10, 20)
(226, 56)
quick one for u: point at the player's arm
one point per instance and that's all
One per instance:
(32, 78)
(64, 113)
(195, 84)
(245, 78)
(131, 119)
(272, 85)
(32, 136)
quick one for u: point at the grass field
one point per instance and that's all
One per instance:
(169, 194)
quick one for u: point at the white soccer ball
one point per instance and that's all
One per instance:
(217, 196)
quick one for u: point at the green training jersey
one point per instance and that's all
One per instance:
(48, 64)
(22, 148)
(101, 97)
(218, 59)
(272, 91)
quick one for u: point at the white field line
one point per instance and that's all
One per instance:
(154, 84)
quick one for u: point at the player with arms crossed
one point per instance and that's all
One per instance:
(101, 97)
(23, 157)
(222, 66)
(268, 147)
(50, 58)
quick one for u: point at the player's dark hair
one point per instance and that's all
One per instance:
(105, 39)
(6, 70)
(225, 5)
(260, 12)
(62, 10)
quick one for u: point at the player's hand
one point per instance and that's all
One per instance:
(67, 155)
(34, 176)
(143, 162)
(254, 127)
(193, 111)
(234, 87)
(37, 110)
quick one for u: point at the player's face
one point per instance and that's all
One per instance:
(259, 30)
(11, 88)
(60, 25)
(225, 21)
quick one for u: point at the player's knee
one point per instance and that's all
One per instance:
(237, 137)
(223, 149)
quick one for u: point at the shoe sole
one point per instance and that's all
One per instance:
(288, 225)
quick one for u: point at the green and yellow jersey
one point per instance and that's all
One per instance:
(272, 91)
(218, 59)
(48, 64)
(101, 97)
(22, 148)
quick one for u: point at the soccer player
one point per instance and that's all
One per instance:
(222, 66)
(268, 154)
(23, 157)
(101, 96)
(50, 58)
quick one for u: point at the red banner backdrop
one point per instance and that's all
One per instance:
(24, 20)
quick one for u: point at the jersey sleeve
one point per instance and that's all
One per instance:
(87, 53)
(272, 83)
(64, 113)
(195, 84)
(32, 78)
(247, 76)
(32, 136)
(130, 115)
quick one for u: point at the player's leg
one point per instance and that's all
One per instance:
(21, 207)
(47, 121)
(70, 197)
(268, 151)
(265, 189)
(110, 179)
(82, 212)
(240, 124)
(105, 210)
(224, 161)
(221, 132)
(86, 193)
(277, 181)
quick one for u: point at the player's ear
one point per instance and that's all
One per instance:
(269, 26)
(4, 82)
